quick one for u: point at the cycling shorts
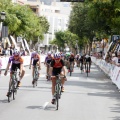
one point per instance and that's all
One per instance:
(14, 67)
(35, 62)
(56, 71)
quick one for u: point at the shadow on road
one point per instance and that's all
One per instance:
(4, 101)
(35, 107)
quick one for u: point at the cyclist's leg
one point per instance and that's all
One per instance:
(23, 72)
(53, 88)
(89, 66)
(62, 81)
(10, 80)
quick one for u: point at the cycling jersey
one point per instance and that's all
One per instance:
(57, 67)
(35, 57)
(15, 61)
(48, 59)
(88, 59)
(71, 59)
(77, 58)
(81, 59)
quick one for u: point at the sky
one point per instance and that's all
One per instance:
(48, 2)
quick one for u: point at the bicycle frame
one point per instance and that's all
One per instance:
(71, 68)
(87, 68)
(35, 75)
(57, 94)
(81, 67)
(13, 85)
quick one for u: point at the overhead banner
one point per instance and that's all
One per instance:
(26, 44)
(14, 42)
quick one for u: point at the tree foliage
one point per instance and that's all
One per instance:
(21, 20)
(65, 37)
(95, 17)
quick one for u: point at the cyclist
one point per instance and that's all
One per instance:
(77, 60)
(47, 62)
(35, 60)
(57, 67)
(88, 59)
(81, 59)
(16, 61)
(66, 57)
(71, 60)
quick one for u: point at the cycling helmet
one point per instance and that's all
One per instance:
(16, 52)
(72, 55)
(49, 53)
(34, 53)
(68, 54)
(57, 56)
(62, 55)
(87, 56)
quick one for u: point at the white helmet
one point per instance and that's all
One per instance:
(87, 56)
(16, 52)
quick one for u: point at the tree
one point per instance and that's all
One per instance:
(65, 37)
(21, 20)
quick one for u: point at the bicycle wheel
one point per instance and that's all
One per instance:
(87, 70)
(34, 78)
(70, 70)
(57, 101)
(13, 89)
(10, 93)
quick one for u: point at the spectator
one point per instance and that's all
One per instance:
(23, 53)
(0, 65)
(11, 51)
(1, 49)
(116, 59)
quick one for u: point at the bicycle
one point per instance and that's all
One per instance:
(81, 67)
(13, 86)
(71, 68)
(58, 88)
(48, 76)
(35, 75)
(87, 63)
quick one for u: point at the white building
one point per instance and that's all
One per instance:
(57, 15)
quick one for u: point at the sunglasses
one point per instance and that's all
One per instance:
(57, 59)
(16, 56)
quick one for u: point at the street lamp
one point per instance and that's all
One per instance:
(3, 14)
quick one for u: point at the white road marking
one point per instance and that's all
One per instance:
(45, 105)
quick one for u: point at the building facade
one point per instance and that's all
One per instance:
(57, 14)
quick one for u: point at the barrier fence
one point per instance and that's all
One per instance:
(26, 60)
(111, 70)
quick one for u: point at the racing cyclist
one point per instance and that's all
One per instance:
(35, 60)
(88, 59)
(15, 61)
(71, 60)
(57, 67)
(47, 62)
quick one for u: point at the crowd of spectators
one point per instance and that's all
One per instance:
(9, 51)
(113, 58)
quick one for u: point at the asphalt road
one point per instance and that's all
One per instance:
(85, 98)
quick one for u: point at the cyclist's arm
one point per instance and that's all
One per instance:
(30, 61)
(50, 71)
(51, 68)
(64, 70)
(8, 65)
(21, 67)
(39, 63)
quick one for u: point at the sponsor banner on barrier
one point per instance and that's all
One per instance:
(114, 74)
(25, 58)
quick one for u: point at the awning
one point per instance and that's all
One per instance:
(26, 44)
(13, 40)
